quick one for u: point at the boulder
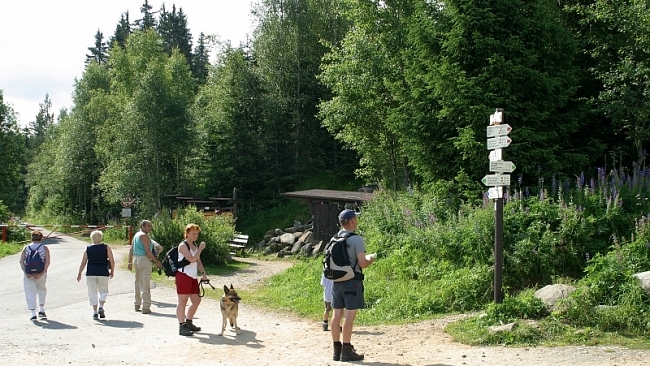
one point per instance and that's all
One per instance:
(287, 239)
(644, 280)
(296, 247)
(503, 328)
(308, 237)
(551, 294)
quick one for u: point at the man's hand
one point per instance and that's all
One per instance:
(129, 266)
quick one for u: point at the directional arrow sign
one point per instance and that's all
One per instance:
(502, 166)
(495, 192)
(498, 130)
(496, 154)
(496, 180)
(498, 142)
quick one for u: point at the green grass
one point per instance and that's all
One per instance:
(547, 332)
(9, 248)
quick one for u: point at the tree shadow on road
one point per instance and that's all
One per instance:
(120, 324)
(53, 324)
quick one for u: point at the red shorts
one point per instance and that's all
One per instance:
(186, 285)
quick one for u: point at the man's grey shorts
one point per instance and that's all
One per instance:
(348, 295)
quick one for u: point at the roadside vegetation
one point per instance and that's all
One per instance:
(435, 258)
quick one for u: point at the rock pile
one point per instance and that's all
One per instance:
(295, 240)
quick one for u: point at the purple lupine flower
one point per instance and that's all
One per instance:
(592, 186)
(526, 192)
(486, 199)
(582, 180)
(614, 193)
(520, 179)
(587, 256)
(541, 195)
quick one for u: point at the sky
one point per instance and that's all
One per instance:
(43, 43)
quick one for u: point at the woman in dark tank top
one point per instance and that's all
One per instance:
(100, 264)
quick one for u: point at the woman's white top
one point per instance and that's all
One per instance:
(191, 269)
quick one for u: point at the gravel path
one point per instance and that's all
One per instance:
(125, 337)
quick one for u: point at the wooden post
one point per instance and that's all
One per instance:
(130, 235)
(234, 203)
(4, 234)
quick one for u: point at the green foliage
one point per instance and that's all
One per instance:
(215, 232)
(523, 306)
(13, 157)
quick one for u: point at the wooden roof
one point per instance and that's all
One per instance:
(330, 195)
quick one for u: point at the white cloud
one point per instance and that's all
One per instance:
(43, 43)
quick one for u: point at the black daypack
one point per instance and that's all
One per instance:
(336, 264)
(170, 263)
(34, 264)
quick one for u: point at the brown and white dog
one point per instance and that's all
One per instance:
(229, 308)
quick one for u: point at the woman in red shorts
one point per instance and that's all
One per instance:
(187, 284)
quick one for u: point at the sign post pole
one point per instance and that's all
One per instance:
(498, 140)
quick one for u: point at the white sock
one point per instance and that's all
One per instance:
(33, 312)
(41, 309)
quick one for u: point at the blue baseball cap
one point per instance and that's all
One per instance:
(347, 215)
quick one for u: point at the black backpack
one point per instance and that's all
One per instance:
(336, 264)
(34, 264)
(170, 262)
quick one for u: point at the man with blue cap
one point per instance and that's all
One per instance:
(348, 295)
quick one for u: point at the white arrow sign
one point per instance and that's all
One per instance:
(496, 180)
(498, 142)
(501, 166)
(498, 130)
(495, 192)
(496, 154)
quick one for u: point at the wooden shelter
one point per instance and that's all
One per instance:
(325, 206)
(210, 207)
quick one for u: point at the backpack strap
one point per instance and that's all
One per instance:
(185, 259)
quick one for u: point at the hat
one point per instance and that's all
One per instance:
(347, 214)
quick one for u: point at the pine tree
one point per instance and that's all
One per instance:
(98, 53)
(147, 21)
(172, 28)
(122, 31)
(39, 129)
(200, 60)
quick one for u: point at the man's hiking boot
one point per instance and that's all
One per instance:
(191, 326)
(184, 330)
(101, 312)
(348, 353)
(337, 352)
(325, 326)
(146, 311)
(41, 314)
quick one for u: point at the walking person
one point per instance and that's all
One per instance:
(327, 299)
(187, 283)
(100, 266)
(34, 261)
(141, 255)
(348, 295)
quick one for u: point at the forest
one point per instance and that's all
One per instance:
(395, 93)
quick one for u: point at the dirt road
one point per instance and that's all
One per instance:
(70, 336)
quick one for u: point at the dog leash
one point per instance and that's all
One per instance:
(202, 291)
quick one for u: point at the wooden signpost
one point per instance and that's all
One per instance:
(497, 133)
